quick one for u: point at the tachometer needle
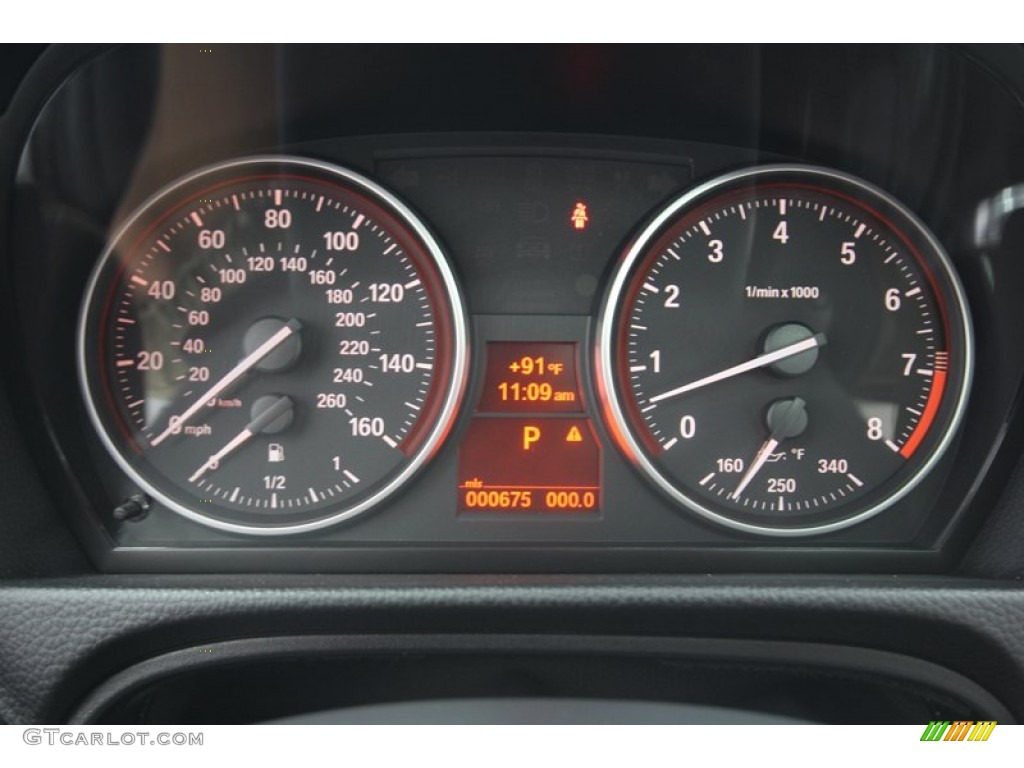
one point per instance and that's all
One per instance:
(254, 427)
(761, 361)
(250, 360)
(791, 421)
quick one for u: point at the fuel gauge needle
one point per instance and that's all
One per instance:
(254, 427)
(791, 422)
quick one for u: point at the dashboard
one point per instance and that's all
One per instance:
(685, 363)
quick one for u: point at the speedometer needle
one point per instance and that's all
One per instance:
(250, 360)
(761, 361)
(254, 427)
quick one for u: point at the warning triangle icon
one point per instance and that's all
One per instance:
(574, 436)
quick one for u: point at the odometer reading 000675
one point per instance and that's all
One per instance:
(272, 344)
(785, 350)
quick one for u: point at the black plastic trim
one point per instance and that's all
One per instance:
(827, 658)
(60, 639)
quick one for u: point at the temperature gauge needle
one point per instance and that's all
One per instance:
(254, 427)
(249, 361)
(766, 450)
(761, 361)
(790, 417)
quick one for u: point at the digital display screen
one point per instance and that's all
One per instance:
(530, 377)
(522, 452)
(529, 465)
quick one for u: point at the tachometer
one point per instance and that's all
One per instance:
(272, 345)
(785, 350)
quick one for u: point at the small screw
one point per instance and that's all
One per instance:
(133, 508)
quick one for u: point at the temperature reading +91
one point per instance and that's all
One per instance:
(530, 446)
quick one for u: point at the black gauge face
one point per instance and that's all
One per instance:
(272, 344)
(786, 350)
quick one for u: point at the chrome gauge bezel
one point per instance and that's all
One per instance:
(450, 400)
(605, 342)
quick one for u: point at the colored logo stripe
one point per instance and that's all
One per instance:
(982, 730)
(958, 730)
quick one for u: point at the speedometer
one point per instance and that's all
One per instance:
(785, 350)
(271, 345)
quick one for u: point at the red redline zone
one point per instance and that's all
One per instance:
(930, 409)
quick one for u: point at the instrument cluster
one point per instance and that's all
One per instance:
(483, 349)
(273, 345)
